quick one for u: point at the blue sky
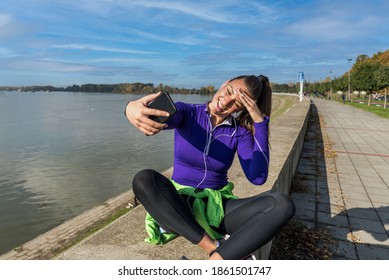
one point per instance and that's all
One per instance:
(184, 43)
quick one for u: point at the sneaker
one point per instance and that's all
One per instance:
(250, 257)
(183, 258)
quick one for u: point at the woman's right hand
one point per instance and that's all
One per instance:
(138, 114)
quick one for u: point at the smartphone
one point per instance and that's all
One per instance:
(164, 103)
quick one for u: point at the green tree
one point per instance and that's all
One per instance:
(362, 58)
(340, 83)
(381, 75)
(159, 88)
(363, 76)
(211, 89)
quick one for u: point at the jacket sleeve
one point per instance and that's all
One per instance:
(253, 153)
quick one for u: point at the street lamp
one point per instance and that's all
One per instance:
(349, 86)
(331, 85)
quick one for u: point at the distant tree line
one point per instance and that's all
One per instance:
(115, 88)
(138, 88)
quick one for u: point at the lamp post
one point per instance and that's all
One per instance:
(349, 86)
(331, 85)
(320, 87)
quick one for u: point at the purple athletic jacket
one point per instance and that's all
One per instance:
(203, 154)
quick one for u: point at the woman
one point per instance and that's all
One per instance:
(197, 202)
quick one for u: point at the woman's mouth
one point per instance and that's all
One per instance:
(220, 106)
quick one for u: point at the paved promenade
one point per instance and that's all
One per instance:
(342, 180)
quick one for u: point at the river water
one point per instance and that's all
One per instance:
(61, 153)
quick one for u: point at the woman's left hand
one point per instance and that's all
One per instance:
(251, 106)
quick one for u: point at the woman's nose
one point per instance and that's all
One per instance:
(229, 100)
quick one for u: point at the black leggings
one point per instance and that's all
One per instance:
(251, 222)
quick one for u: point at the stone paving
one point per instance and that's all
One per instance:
(343, 179)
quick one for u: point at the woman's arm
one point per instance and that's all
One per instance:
(253, 150)
(253, 153)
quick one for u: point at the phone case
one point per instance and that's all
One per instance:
(164, 103)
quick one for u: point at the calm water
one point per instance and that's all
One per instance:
(63, 153)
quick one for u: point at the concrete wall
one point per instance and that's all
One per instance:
(287, 139)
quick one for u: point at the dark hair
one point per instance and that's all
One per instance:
(259, 88)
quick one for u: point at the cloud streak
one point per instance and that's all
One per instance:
(7, 53)
(88, 47)
(183, 40)
(338, 28)
(191, 8)
(11, 28)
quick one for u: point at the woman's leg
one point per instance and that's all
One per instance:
(168, 208)
(252, 222)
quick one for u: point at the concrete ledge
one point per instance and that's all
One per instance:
(49, 244)
(124, 238)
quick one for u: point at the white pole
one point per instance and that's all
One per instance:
(301, 90)
(301, 79)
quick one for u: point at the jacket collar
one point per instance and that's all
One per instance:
(227, 121)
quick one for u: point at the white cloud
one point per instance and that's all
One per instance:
(7, 26)
(48, 66)
(191, 8)
(99, 48)
(7, 53)
(137, 61)
(333, 28)
(10, 27)
(231, 12)
(185, 40)
(5, 20)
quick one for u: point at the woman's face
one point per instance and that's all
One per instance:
(227, 99)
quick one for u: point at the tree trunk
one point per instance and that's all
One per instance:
(385, 100)
(369, 100)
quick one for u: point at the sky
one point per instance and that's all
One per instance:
(186, 44)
